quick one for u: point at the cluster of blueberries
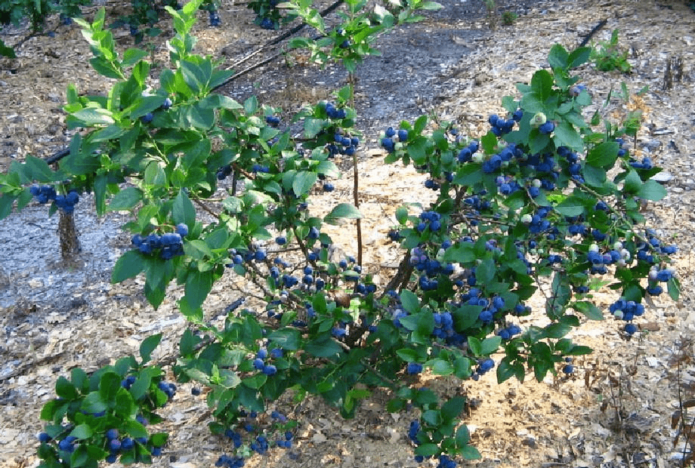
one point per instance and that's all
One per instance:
(260, 364)
(466, 154)
(623, 309)
(501, 126)
(598, 261)
(429, 220)
(538, 223)
(260, 444)
(230, 461)
(215, 19)
(116, 444)
(342, 145)
(168, 245)
(391, 137)
(272, 120)
(646, 164)
(444, 460)
(509, 332)
(431, 267)
(657, 276)
(334, 113)
(268, 23)
(46, 193)
(224, 172)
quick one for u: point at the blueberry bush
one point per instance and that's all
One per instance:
(545, 204)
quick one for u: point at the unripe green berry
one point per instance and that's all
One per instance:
(539, 119)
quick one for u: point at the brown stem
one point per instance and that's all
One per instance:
(355, 177)
(205, 208)
(402, 276)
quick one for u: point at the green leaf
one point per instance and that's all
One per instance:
(579, 56)
(408, 355)
(463, 436)
(427, 450)
(430, 6)
(490, 345)
(109, 384)
(469, 174)
(155, 175)
(6, 202)
(129, 265)
(39, 170)
(505, 371)
(135, 429)
(109, 133)
(303, 181)
(323, 347)
(402, 215)
(94, 403)
(632, 182)
(256, 381)
(196, 153)
(198, 286)
(453, 408)
(466, 315)
(603, 155)
(148, 345)
(571, 206)
(674, 288)
(594, 176)
(183, 210)
(83, 431)
(470, 453)
(188, 343)
(286, 338)
(140, 386)
(125, 199)
(132, 56)
(475, 345)
(342, 211)
(432, 417)
(92, 116)
(566, 135)
(6, 51)
(65, 389)
(194, 76)
(251, 105)
(557, 330)
(651, 190)
(420, 124)
(442, 367)
(485, 272)
(489, 142)
(588, 309)
(542, 84)
(146, 105)
(410, 301)
(417, 149)
(558, 57)
(463, 253)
